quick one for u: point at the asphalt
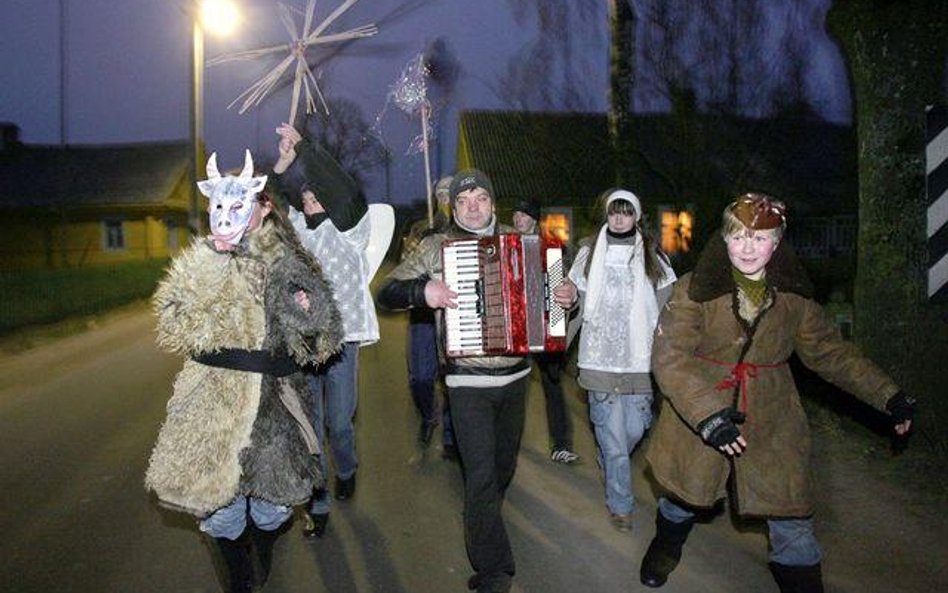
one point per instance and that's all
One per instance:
(78, 417)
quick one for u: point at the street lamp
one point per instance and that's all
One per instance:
(219, 17)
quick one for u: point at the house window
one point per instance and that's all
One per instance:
(557, 224)
(676, 229)
(114, 235)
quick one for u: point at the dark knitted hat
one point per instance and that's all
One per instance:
(528, 207)
(469, 179)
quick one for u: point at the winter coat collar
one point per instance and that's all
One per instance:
(712, 275)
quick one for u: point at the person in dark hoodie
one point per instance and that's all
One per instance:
(487, 393)
(526, 219)
(424, 366)
(731, 421)
(248, 307)
(331, 218)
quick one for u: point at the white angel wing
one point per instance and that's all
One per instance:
(382, 223)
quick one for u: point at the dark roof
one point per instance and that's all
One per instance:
(565, 158)
(131, 174)
(555, 158)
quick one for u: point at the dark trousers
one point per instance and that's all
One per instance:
(551, 367)
(423, 373)
(488, 424)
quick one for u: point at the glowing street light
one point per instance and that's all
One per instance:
(220, 18)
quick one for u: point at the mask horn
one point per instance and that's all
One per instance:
(212, 172)
(247, 173)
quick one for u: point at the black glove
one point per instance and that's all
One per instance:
(901, 407)
(720, 428)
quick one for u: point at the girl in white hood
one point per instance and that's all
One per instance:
(624, 280)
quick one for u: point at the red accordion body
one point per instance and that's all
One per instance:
(505, 301)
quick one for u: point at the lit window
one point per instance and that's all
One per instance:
(676, 230)
(556, 224)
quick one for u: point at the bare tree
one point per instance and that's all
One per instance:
(348, 138)
(547, 73)
(706, 66)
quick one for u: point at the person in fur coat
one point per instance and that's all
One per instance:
(732, 414)
(247, 307)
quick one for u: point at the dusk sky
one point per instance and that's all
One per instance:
(127, 70)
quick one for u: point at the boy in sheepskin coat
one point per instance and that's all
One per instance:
(732, 422)
(247, 307)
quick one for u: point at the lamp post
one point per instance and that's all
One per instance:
(219, 17)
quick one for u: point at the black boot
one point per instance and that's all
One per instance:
(798, 579)
(263, 546)
(236, 555)
(664, 552)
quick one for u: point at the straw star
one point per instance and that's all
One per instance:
(300, 43)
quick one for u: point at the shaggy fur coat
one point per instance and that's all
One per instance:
(701, 333)
(228, 432)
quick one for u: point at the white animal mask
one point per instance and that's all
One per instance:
(232, 199)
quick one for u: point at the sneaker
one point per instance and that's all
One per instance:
(621, 521)
(564, 456)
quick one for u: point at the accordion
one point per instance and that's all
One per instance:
(505, 296)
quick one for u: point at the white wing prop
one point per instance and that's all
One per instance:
(382, 223)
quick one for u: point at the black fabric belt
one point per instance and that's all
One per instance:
(253, 361)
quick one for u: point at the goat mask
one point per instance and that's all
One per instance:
(232, 200)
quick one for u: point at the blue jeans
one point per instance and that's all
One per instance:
(620, 422)
(231, 521)
(423, 373)
(792, 542)
(334, 386)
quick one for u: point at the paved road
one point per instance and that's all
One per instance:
(78, 418)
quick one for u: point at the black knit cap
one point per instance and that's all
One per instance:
(528, 207)
(469, 179)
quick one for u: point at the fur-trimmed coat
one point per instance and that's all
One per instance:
(228, 432)
(699, 335)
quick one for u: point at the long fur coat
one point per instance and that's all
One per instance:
(228, 432)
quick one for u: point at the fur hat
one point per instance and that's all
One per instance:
(469, 179)
(759, 211)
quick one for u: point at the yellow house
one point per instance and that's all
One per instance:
(91, 205)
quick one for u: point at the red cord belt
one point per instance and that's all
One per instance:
(741, 373)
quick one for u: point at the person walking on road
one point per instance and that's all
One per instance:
(731, 422)
(526, 217)
(332, 220)
(248, 308)
(624, 279)
(487, 393)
